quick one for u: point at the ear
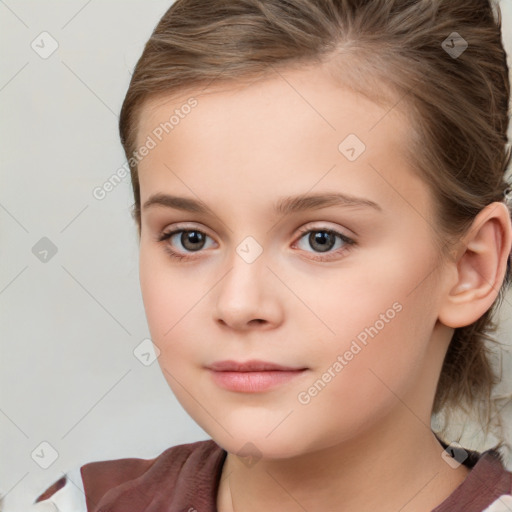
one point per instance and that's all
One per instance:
(479, 268)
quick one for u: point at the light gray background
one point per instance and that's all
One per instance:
(68, 374)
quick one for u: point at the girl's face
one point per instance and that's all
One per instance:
(341, 285)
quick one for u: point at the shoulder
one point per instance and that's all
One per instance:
(115, 481)
(498, 481)
(486, 488)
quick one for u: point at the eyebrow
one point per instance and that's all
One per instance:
(284, 206)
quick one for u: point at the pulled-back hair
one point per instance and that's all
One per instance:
(408, 54)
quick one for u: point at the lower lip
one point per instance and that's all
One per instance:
(253, 382)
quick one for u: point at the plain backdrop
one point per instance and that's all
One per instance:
(72, 388)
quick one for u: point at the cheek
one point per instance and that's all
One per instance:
(384, 294)
(169, 298)
(367, 370)
(380, 318)
(169, 303)
(172, 300)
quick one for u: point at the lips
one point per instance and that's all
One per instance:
(250, 366)
(252, 376)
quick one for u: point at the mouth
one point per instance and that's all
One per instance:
(252, 376)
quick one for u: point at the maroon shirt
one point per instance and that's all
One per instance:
(185, 478)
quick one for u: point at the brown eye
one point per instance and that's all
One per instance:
(323, 240)
(192, 240)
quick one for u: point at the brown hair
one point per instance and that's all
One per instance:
(456, 97)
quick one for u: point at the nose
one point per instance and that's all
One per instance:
(247, 296)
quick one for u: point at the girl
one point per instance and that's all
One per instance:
(325, 237)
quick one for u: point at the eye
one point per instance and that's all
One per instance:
(192, 240)
(324, 240)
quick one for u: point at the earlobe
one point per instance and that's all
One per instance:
(480, 268)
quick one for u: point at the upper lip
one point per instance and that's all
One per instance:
(249, 366)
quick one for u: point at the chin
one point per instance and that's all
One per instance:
(253, 441)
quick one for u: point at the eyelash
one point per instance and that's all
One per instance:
(349, 242)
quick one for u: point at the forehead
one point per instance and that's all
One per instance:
(318, 89)
(286, 132)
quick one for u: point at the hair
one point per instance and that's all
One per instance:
(394, 52)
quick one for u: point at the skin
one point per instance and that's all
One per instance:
(364, 442)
